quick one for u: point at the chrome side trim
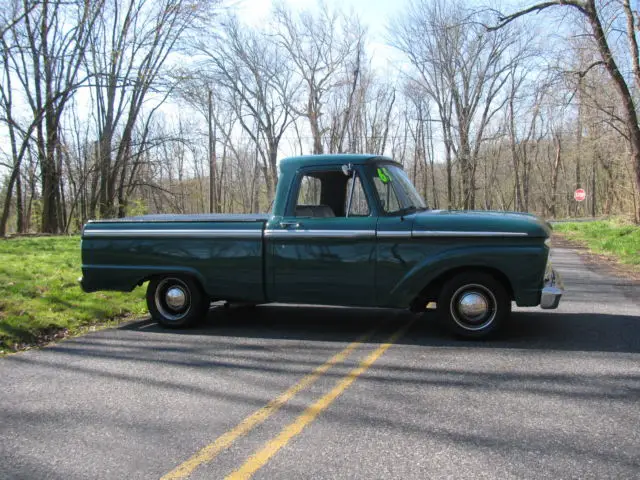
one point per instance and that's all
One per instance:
(202, 233)
(446, 233)
(320, 233)
(171, 233)
(396, 234)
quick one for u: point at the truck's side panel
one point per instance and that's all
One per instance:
(226, 257)
(328, 261)
(406, 266)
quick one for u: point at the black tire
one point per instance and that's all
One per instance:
(474, 305)
(195, 302)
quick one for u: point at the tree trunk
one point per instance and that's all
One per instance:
(554, 177)
(105, 206)
(19, 205)
(449, 177)
(50, 185)
(212, 156)
(630, 115)
(315, 129)
(6, 210)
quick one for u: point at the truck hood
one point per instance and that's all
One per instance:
(479, 222)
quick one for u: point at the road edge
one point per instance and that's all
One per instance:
(604, 264)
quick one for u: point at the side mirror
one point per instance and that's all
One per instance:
(347, 170)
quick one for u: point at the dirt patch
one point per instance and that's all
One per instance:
(606, 263)
(51, 336)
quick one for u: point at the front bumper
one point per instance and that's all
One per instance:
(552, 290)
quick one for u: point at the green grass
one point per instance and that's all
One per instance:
(40, 296)
(608, 237)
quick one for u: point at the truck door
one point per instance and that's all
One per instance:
(322, 251)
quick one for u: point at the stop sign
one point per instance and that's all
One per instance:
(580, 194)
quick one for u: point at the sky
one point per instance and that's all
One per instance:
(374, 14)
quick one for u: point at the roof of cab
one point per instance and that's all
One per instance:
(331, 159)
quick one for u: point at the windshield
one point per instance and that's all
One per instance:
(395, 191)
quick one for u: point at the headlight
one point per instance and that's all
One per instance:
(547, 242)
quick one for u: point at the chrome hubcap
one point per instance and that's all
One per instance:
(176, 298)
(172, 299)
(473, 307)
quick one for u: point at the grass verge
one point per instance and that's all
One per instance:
(40, 299)
(611, 238)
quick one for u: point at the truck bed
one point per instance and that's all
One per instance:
(224, 252)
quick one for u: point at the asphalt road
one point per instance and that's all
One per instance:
(556, 396)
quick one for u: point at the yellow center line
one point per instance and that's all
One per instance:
(260, 458)
(223, 442)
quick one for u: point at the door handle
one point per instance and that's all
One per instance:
(290, 225)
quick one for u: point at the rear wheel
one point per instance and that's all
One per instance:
(474, 305)
(176, 301)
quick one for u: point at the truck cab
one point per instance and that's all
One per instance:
(322, 238)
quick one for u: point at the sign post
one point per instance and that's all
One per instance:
(579, 195)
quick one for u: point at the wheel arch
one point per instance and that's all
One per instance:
(179, 272)
(431, 291)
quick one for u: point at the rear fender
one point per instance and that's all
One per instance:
(125, 278)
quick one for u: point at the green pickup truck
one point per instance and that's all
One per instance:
(344, 230)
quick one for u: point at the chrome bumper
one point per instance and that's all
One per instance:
(552, 290)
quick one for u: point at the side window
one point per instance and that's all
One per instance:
(325, 194)
(387, 195)
(359, 205)
(310, 188)
(310, 197)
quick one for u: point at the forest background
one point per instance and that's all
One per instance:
(111, 108)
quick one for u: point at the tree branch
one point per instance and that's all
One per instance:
(584, 72)
(506, 19)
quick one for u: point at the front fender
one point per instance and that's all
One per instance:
(523, 266)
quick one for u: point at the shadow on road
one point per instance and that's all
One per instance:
(238, 344)
(526, 330)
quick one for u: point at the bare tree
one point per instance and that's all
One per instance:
(454, 55)
(318, 45)
(19, 133)
(44, 53)
(128, 50)
(260, 87)
(601, 34)
(416, 35)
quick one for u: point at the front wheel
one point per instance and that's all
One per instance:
(176, 301)
(474, 305)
